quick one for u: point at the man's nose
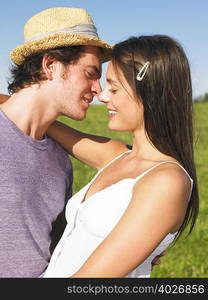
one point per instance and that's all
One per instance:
(96, 87)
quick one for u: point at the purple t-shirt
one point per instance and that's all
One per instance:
(35, 183)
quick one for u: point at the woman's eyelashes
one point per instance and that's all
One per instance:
(113, 91)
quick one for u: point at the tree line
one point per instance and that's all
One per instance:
(203, 98)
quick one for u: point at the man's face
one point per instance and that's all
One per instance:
(77, 84)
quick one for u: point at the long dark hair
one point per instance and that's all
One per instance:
(166, 95)
(30, 71)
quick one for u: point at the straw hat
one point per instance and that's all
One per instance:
(59, 27)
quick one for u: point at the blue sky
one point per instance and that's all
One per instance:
(116, 20)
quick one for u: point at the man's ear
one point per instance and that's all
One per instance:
(3, 98)
(48, 66)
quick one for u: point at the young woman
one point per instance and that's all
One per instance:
(142, 198)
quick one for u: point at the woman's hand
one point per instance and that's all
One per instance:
(3, 98)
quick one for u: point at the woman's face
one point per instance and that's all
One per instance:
(124, 111)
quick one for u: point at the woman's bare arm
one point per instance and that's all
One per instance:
(3, 98)
(96, 151)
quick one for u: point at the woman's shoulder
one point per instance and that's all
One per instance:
(165, 177)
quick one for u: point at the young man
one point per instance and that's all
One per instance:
(56, 72)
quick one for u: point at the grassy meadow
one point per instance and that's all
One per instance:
(188, 257)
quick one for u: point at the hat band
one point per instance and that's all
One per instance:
(83, 29)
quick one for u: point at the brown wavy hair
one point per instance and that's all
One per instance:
(30, 71)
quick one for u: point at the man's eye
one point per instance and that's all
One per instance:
(90, 75)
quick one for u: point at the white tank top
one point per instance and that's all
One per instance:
(90, 221)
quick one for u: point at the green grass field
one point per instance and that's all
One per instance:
(188, 257)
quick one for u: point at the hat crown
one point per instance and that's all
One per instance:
(54, 19)
(59, 27)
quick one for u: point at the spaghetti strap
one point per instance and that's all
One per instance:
(164, 162)
(161, 163)
(115, 158)
(101, 169)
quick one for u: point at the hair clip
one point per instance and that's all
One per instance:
(143, 71)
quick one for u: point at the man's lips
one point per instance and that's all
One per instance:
(87, 100)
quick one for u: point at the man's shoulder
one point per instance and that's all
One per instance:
(60, 152)
(56, 146)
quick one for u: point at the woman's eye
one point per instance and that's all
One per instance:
(113, 91)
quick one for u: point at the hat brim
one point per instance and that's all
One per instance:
(20, 53)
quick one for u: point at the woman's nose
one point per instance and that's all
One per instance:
(104, 96)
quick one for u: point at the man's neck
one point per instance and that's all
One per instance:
(31, 113)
